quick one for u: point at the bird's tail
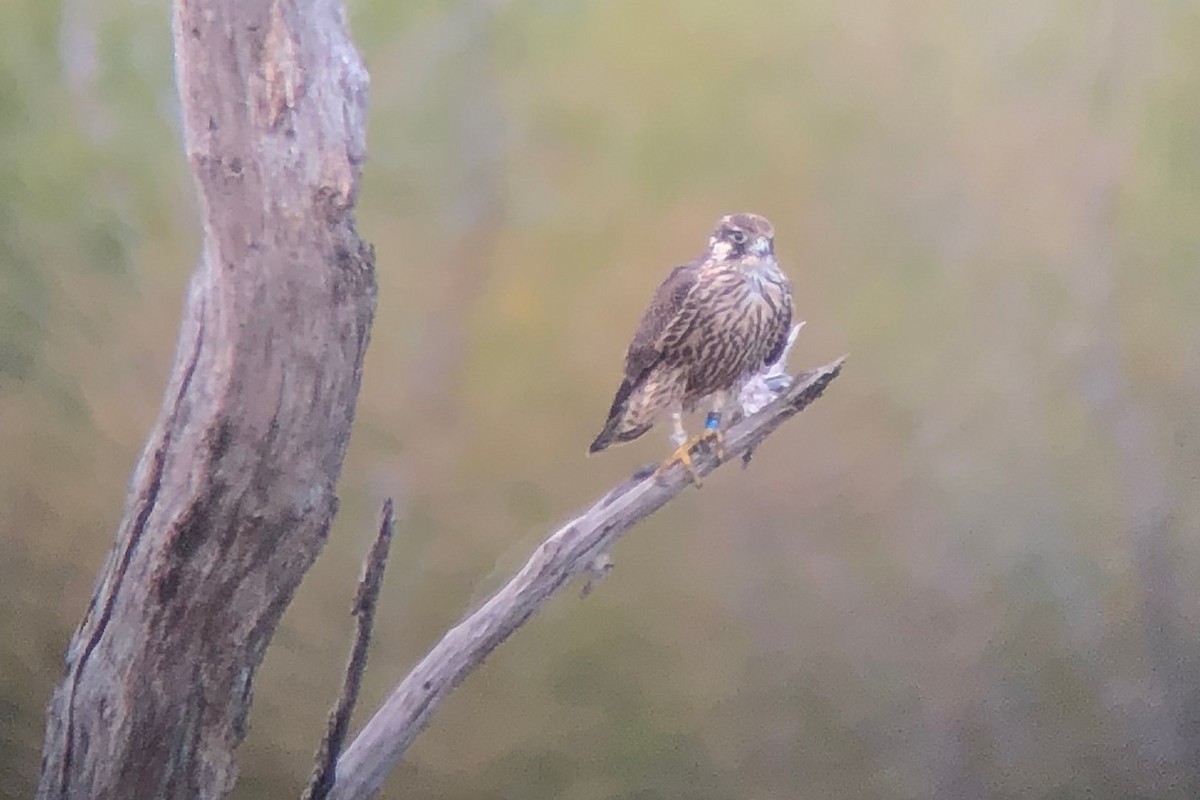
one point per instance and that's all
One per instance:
(615, 429)
(602, 440)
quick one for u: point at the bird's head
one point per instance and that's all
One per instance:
(739, 236)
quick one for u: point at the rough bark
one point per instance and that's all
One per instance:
(234, 493)
(580, 546)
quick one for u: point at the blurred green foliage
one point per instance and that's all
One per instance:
(970, 571)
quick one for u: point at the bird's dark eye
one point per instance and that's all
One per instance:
(738, 237)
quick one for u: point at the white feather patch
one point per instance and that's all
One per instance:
(761, 388)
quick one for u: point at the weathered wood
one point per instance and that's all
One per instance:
(579, 546)
(234, 493)
(364, 611)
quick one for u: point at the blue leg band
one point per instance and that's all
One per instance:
(713, 421)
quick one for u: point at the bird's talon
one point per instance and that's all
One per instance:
(719, 444)
(716, 437)
(683, 455)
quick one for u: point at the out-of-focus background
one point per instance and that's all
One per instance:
(972, 570)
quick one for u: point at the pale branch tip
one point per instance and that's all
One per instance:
(580, 546)
(363, 609)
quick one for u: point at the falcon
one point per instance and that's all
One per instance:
(711, 326)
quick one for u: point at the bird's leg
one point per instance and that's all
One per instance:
(712, 424)
(684, 445)
(712, 427)
(679, 434)
(712, 431)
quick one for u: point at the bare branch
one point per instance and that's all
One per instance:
(364, 610)
(579, 546)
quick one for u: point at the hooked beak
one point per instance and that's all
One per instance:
(762, 246)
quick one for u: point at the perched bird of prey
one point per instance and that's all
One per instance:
(712, 325)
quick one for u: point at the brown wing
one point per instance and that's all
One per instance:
(667, 311)
(785, 328)
(667, 315)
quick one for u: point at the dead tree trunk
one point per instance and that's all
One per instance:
(234, 493)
